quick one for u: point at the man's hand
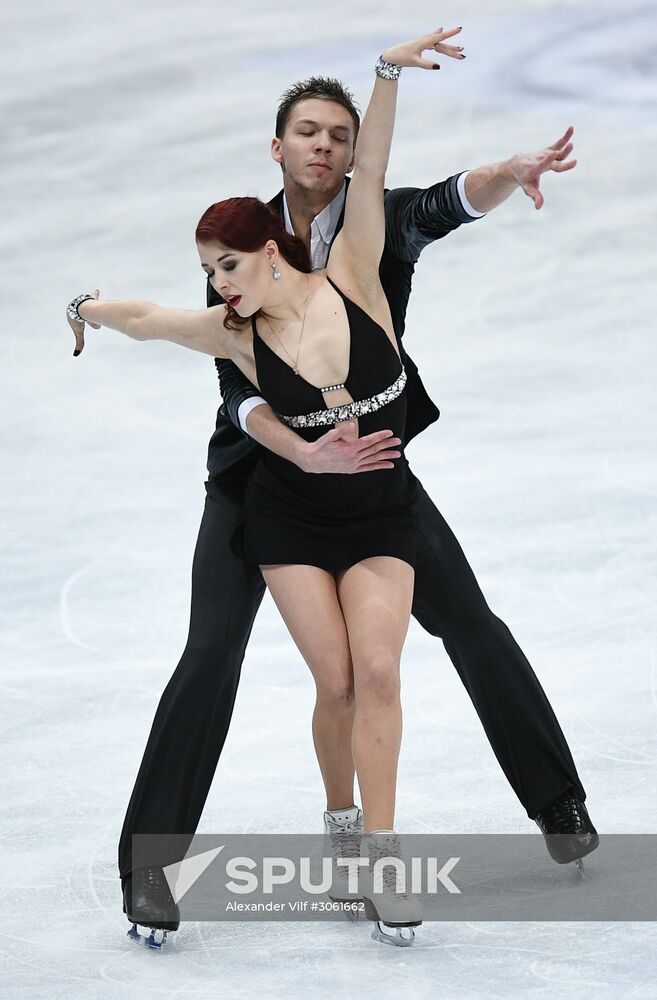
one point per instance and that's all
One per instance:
(526, 168)
(339, 450)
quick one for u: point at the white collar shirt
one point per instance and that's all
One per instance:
(322, 228)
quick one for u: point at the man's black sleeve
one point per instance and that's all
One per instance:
(415, 217)
(233, 383)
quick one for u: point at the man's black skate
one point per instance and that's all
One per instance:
(568, 830)
(147, 901)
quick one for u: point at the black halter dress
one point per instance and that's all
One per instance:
(331, 520)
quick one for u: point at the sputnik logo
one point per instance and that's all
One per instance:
(182, 875)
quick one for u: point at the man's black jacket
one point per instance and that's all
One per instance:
(415, 217)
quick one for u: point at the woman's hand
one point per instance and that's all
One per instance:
(78, 329)
(410, 53)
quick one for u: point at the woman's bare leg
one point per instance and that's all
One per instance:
(307, 600)
(376, 597)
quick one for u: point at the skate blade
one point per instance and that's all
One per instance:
(153, 940)
(397, 939)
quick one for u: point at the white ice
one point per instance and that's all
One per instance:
(533, 331)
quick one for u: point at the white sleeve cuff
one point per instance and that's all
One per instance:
(460, 187)
(245, 408)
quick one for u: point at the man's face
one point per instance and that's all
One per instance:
(317, 148)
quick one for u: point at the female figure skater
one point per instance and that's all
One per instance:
(336, 551)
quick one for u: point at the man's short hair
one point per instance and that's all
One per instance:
(326, 88)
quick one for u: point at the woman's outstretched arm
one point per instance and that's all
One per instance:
(197, 329)
(356, 253)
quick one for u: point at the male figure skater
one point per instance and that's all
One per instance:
(316, 129)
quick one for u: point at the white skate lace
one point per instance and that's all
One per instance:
(389, 879)
(345, 841)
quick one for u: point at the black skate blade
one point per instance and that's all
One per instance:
(153, 940)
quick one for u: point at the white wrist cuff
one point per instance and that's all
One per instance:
(245, 408)
(460, 187)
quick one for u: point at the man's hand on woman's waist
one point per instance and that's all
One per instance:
(339, 450)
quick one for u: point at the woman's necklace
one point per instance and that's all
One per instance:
(295, 363)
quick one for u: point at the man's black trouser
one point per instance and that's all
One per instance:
(193, 716)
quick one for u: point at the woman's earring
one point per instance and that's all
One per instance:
(277, 273)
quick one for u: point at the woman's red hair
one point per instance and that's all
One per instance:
(246, 224)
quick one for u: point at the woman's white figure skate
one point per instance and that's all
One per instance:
(344, 827)
(393, 906)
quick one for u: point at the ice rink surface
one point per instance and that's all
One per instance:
(534, 333)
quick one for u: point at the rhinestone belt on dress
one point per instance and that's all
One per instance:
(335, 414)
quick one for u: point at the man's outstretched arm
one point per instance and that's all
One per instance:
(416, 217)
(487, 187)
